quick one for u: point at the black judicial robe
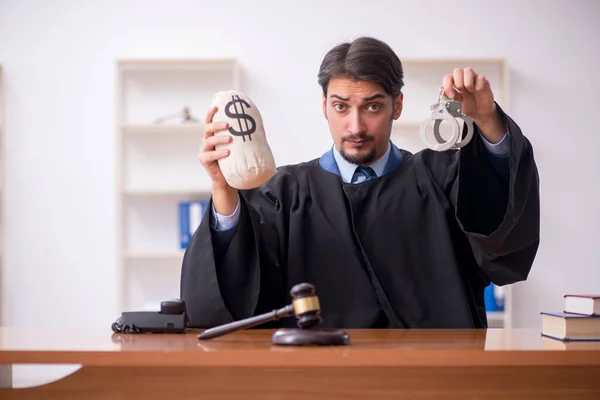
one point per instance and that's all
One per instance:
(414, 248)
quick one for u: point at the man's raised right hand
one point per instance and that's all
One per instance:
(224, 196)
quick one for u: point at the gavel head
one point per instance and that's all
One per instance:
(306, 305)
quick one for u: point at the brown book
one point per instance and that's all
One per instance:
(565, 326)
(553, 344)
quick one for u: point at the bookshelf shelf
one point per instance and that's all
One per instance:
(167, 256)
(496, 315)
(178, 65)
(191, 128)
(160, 108)
(177, 192)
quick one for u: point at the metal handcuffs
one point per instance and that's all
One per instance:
(449, 110)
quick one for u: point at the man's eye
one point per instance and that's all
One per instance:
(374, 107)
(339, 107)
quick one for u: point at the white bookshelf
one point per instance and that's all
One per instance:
(422, 83)
(157, 167)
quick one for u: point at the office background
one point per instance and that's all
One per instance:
(59, 131)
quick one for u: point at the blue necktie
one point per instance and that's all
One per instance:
(362, 174)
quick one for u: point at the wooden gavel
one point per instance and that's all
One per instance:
(305, 306)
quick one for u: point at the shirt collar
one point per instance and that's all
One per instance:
(347, 168)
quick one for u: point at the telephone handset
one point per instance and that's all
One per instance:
(172, 318)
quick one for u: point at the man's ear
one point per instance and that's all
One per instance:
(398, 105)
(324, 105)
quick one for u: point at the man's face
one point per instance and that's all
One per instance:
(360, 116)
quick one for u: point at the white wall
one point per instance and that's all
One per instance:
(58, 59)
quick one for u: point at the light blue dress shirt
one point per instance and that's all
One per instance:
(221, 222)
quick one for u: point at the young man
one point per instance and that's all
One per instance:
(389, 239)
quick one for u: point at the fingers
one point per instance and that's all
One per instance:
(211, 127)
(210, 114)
(481, 83)
(463, 81)
(469, 77)
(209, 157)
(458, 76)
(210, 142)
(208, 154)
(448, 86)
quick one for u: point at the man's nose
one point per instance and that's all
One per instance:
(355, 123)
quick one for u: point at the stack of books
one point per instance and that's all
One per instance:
(579, 320)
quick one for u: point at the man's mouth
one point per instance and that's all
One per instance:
(357, 142)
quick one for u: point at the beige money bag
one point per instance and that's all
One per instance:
(250, 162)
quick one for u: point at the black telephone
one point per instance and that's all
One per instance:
(172, 318)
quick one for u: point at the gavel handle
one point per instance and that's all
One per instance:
(247, 323)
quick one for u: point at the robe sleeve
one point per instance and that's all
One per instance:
(499, 214)
(235, 274)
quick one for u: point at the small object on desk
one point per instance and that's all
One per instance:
(172, 318)
(584, 304)
(310, 337)
(565, 326)
(307, 310)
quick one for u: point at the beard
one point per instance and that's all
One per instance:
(364, 155)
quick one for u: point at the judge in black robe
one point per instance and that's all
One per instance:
(413, 248)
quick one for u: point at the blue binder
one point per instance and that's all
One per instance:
(493, 300)
(190, 216)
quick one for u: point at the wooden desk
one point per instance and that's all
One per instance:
(449, 364)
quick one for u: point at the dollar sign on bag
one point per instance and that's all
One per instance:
(246, 123)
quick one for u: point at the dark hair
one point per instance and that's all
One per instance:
(363, 59)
